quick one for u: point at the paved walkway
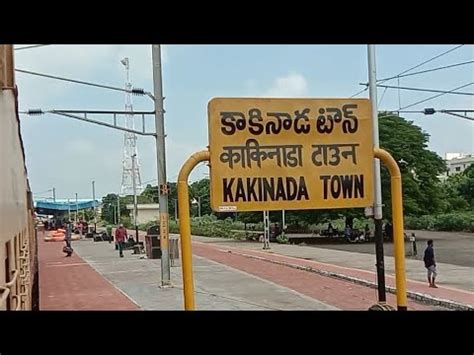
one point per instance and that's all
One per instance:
(217, 286)
(341, 294)
(229, 275)
(70, 283)
(456, 283)
(227, 281)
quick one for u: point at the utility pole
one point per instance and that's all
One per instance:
(54, 194)
(283, 222)
(77, 209)
(118, 209)
(134, 186)
(93, 203)
(161, 165)
(68, 211)
(377, 182)
(266, 233)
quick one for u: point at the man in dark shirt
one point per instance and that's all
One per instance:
(430, 263)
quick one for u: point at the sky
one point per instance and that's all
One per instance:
(68, 154)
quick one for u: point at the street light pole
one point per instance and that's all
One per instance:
(283, 222)
(266, 235)
(77, 209)
(68, 211)
(161, 165)
(118, 209)
(134, 197)
(93, 204)
(377, 182)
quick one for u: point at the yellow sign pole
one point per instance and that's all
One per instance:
(185, 225)
(397, 216)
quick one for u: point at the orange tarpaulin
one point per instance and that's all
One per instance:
(58, 236)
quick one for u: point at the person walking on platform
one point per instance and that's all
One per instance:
(120, 234)
(67, 238)
(430, 263)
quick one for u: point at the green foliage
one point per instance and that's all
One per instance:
(145, 226)
(108, 203)
(150, 194)
(281, 239)
(209, 227)
(173, 227)
(250, 217)
(458, 192)
(408, 143)
(126, 221)
(200, 191)
(459, 221)
(109, 207)
(466, 186)
(455, 222)
(426, 222)
(88, 215)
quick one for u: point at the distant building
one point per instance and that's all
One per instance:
(457, 163)
(145, 212)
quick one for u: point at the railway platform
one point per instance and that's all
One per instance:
(70, 283)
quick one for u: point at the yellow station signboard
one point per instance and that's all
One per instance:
(290, 154)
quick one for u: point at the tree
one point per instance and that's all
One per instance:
(88, 214)
(466, 186)
(150, 194)
(420, 167)
(108, 211)
(200, 189)
(250, 217)
(458, 191)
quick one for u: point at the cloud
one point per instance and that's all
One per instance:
(81, 146)
(94, 63)
(290, 85)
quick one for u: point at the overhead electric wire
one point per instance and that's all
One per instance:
(428, 70)
(360, 92)
(423, 63)
(425, 90)
(33, 46)
(136, 91)
(429, 111)
(435, 96)
(381, 98)
(457, 115)
(71, 80)
(410, 69)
